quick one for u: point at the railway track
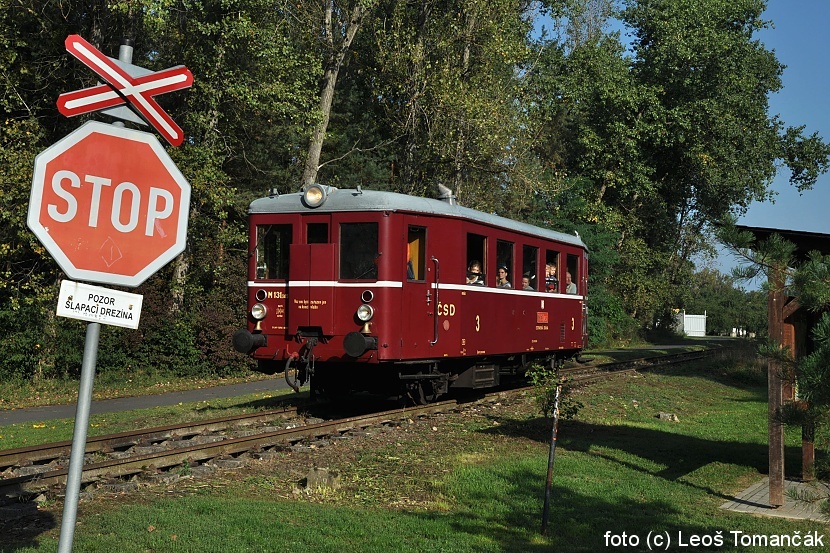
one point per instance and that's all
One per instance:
(30, 470)
(159, 449)
(583, 375)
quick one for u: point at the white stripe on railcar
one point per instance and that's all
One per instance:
(399, 284)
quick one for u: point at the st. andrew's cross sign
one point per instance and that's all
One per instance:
(124, 88)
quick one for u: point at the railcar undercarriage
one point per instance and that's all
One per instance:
(422, 382)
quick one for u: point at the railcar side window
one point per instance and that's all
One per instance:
(552, 276)
(504, 260)
(416, 243)
(573, 271)
(476, 259)
(272, 242)
(530, 256)
(359, 251)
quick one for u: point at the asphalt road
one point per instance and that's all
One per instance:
(37, 414)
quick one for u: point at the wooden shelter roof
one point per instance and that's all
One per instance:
(805, 242)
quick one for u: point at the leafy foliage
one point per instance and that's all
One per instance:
(726, 305)
(546, 383)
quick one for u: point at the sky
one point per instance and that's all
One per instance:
(800, 41)
(799, 37)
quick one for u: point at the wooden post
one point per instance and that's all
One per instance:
(775, 304)
(808, 453)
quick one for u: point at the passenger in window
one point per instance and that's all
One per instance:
(501, 278)
(551, 282)
(570, 286)
(475, 276)
(526, 282)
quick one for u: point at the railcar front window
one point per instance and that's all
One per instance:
(359, 251)
(317, 233)
(272, 245)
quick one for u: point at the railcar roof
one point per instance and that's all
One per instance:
(373, 200)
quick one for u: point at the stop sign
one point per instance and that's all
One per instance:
(109, 204)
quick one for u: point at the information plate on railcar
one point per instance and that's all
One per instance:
(95, 304)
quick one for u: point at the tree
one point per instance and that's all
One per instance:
(726, 305)
(674, 136)
(243, 116)
(338, 23)
(445, 76)
(716, 146)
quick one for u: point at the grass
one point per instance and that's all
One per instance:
(18, 394)
(473, 481)
(38, 392)
(56, 430)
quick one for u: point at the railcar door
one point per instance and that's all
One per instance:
(421, 292)
(311, 277)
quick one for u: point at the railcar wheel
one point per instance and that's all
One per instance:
(422, 392)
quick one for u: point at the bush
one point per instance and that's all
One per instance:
(608, 323)
(23, 343)
(545, 381)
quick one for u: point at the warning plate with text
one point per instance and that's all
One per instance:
(99, 305)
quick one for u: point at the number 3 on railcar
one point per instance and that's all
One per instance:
(360, 290)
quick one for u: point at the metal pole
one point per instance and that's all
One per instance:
(551, 455)
(76, 458)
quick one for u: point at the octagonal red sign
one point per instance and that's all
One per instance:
(109, 204)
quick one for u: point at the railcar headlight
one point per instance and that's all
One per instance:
(314, 195)
(365, 312)
(258, 311)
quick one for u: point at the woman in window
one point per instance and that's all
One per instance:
(501, 280)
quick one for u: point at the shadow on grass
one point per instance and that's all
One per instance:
(577, 522)
(663, 347)
(679, 454)
(22, 523)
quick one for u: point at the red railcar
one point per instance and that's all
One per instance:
(366, 290)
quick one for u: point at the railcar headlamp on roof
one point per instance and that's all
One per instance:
(314, 196)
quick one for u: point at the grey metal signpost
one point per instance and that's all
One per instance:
(76, 458)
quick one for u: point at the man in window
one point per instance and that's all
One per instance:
(570, 285)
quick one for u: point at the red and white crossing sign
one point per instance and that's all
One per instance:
(109, 204)
(122, 88)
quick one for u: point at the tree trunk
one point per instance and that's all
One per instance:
(329, 82)
(181, 268)
(460, 145)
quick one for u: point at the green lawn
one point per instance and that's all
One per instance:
(474, 482)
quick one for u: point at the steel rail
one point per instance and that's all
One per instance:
(226, 447)
(123, 440)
